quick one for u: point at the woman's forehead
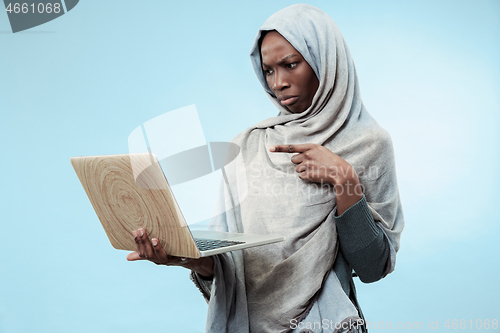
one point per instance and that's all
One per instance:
(275, 48)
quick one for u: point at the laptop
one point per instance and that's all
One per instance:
(130, 191)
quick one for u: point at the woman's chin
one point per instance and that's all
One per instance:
(296, 109)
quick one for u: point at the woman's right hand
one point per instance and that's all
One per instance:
(151, 250)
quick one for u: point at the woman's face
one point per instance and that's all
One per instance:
(287, 73)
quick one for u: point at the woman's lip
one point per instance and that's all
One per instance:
(289, 100)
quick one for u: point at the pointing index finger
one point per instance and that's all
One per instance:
(290, 148)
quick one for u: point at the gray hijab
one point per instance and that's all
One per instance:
(262, 289)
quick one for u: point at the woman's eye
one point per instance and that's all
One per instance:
(292, 65)
(268, 72)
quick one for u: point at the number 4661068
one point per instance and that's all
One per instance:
(478, 324)
(40, 8)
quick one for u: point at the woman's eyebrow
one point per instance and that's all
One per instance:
(287, 57)
(283, 59)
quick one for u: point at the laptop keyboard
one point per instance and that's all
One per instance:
(210, 244)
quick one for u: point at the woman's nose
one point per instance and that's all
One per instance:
(280, 81)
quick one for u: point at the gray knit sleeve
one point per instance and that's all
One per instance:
(363, 244)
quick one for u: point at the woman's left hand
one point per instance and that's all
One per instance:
(317, 163)
(320, 165)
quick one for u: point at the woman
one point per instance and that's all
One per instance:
(335, 199)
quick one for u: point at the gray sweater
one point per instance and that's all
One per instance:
(363, 248)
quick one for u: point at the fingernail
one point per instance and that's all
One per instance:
(134, 233)
(273, 148)
(154, 241)
(141, 232)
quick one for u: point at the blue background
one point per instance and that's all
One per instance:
(78, 85)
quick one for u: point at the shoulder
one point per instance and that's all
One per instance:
(238, 138)
(366, 146)
(249, 138)
(372, 134)
(364, 137)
